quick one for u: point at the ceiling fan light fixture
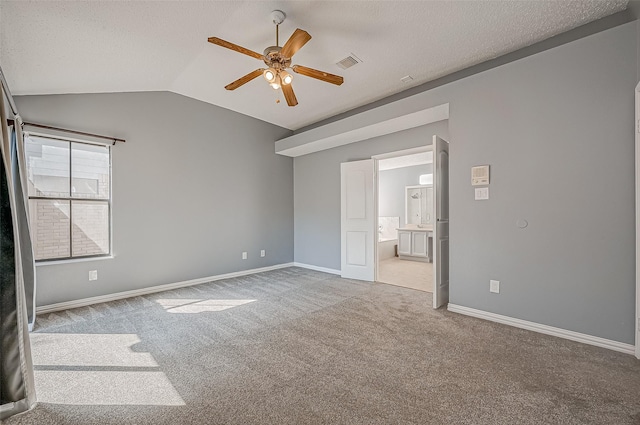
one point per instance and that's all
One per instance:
(286, 78)
(278, 60)
(270, 75)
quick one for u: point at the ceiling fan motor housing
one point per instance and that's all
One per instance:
(273, 58)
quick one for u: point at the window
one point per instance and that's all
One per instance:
(426, 179)
(69, 187)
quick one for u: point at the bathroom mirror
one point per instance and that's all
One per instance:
(419, 205)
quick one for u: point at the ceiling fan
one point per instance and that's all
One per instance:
(278, 60)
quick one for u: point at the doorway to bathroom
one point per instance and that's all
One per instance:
(361, 233)
(405, 214)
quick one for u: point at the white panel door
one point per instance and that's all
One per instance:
(357, 221)
(441, 225)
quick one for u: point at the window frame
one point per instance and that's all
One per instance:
(70, 198)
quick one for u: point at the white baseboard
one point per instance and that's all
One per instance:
(544, 329)
(317, 268)
(153, 289)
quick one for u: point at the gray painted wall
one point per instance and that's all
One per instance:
(594, 27)
(557, 129)
(317, 190)
(391, 189)
(193, 187)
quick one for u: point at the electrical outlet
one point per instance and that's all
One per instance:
(494, 286)
(262, 253)
(244, 255)
(93, 274)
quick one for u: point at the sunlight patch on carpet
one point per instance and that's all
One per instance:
(88, 350)
(105, 388)
(98, 369)
(190, 306)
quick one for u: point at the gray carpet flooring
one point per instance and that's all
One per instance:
(295, 346)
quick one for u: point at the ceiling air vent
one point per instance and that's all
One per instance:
(349, 61)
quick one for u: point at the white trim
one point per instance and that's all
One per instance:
(637, 177)
(544, 329)
(317, 268)
(73, 260)
(153, 289)
(404, 152)
(376, 216)
(386, 119)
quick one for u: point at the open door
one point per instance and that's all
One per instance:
(357, 228)
(441, 224)
(637, 143)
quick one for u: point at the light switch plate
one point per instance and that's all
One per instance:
(93, 274)
(482, 193)
(244, 255)
(262, 253)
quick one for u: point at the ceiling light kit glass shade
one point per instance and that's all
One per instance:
(277, 78)
(270, 75)
(286, 78)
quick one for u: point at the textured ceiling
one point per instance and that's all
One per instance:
(110, 46)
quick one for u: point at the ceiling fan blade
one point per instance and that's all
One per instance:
(319, 75)
(289, 95)
(239, 49)
(244, 80)
(298, 39)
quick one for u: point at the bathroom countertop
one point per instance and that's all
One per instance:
(416, 229)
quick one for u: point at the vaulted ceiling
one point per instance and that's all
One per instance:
(52, 47)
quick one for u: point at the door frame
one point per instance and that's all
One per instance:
(637, 184)
(376, 188)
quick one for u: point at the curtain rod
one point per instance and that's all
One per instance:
(82, 133)
(7, 93)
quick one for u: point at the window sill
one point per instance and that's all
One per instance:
(73, 260)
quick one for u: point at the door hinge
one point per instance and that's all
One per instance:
(638, 126)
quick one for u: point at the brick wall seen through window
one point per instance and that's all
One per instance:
(69, 187)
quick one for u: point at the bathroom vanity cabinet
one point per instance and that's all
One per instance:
(415, 243)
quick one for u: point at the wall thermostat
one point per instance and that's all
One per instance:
(480, 175)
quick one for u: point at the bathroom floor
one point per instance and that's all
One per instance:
(409, 274)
